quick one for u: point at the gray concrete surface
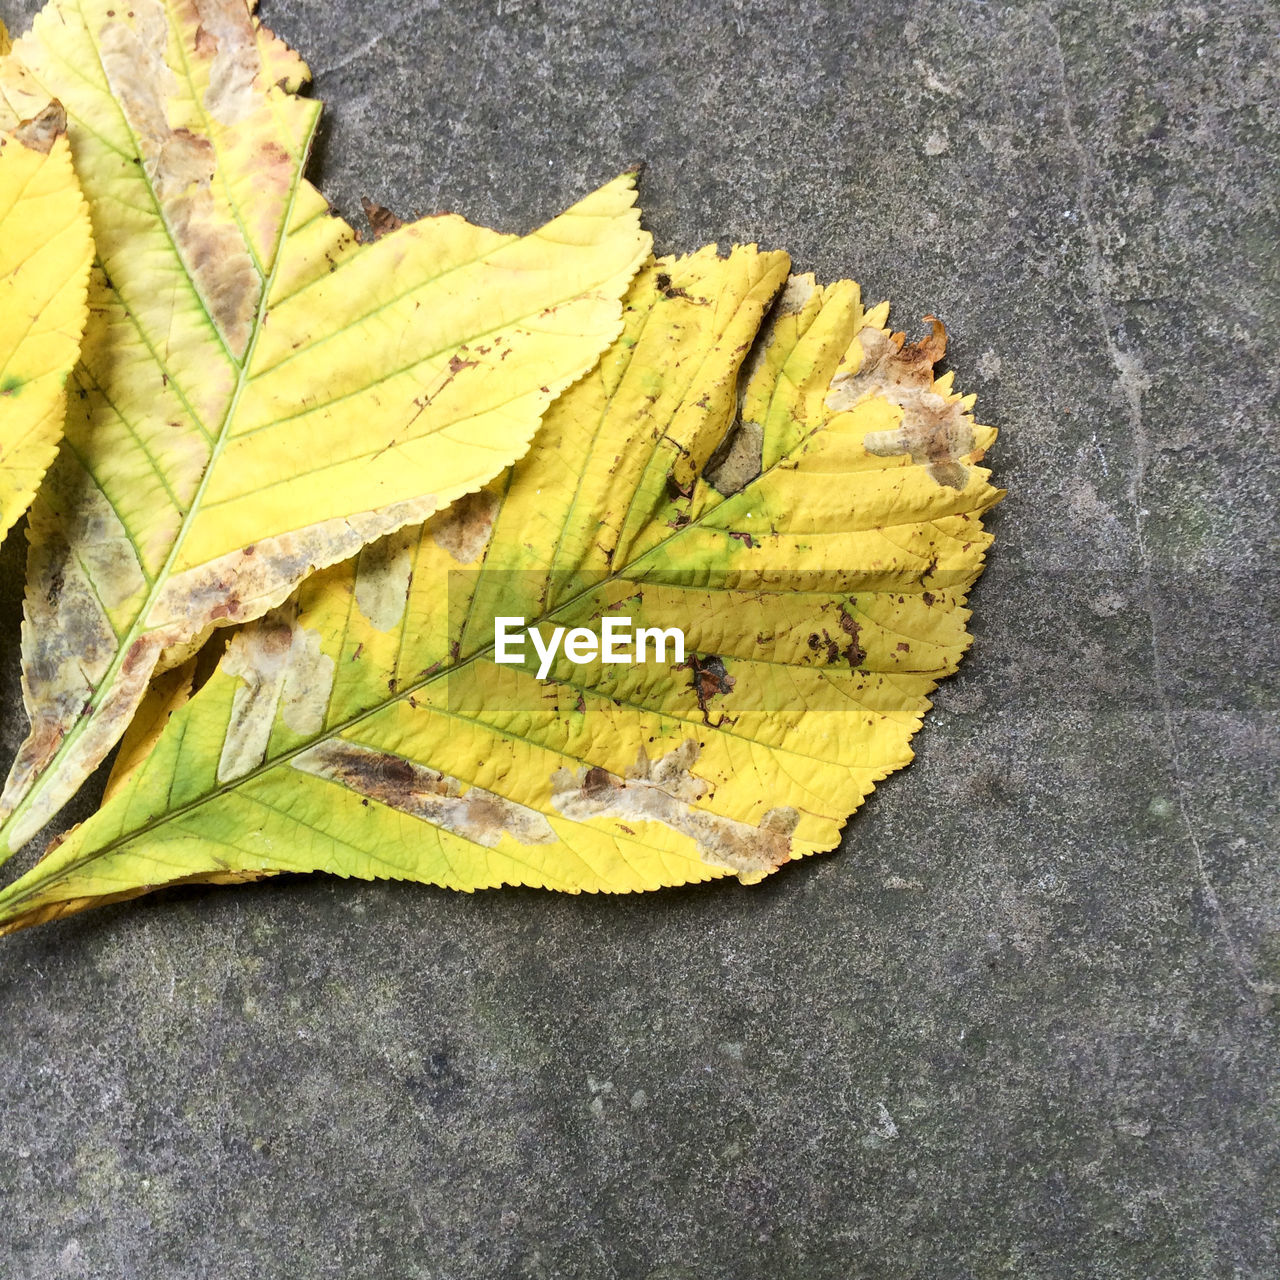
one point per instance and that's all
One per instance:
(1024, 1023)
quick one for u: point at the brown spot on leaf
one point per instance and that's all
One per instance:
(596, 780)
(464, 529)
(670, 290)
(470, 812)
(853, 652)
(381, 220)
(43, 130)
(134, 658)
(709, 680)
(276, 565)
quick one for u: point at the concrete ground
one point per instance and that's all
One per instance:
(1024, 1024)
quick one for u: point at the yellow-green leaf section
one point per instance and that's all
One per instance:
(260, 394)
(45, 251)
(165, 694)
(804, 501)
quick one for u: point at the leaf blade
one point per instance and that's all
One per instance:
(45, 251)
(434, 763)
(199, 484)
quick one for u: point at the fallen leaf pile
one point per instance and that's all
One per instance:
(357, 452)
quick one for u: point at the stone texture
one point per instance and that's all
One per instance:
(1024, 1023)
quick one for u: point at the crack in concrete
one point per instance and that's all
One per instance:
(353, 55)
(1133, 382)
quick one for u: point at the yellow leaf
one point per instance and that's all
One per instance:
(259, 393)
(165, 694)
(806, 508)
(45, 251)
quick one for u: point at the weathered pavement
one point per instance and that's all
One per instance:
(1023, 1023)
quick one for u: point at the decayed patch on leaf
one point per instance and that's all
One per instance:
(180, 162)
(666, 792)
(259, 395)
(226, 25)
(45, 251)
(473, 813)
(283, 672)
(821, 598)
(386, 573)
(41, 132)
(464, 531)
(936, 431)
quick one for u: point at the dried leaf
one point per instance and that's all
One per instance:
(804, 502)
(259, 394)
(45, 251)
